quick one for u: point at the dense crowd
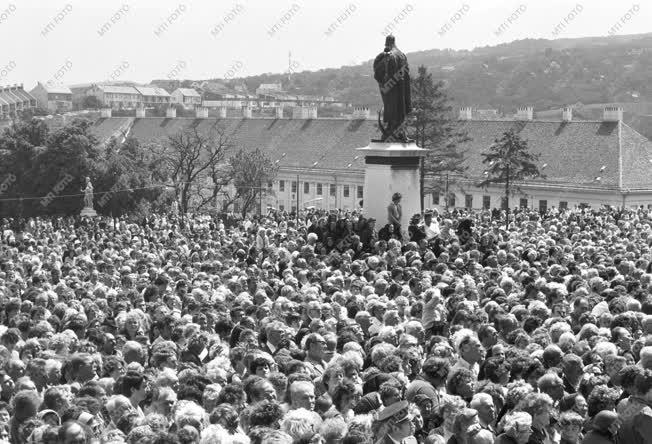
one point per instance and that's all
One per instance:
(459, 328)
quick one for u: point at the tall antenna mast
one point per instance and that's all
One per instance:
(289, 66)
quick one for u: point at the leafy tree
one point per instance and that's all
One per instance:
(509, 162)
(48, 169)
(187, 160)
(433, 129)
(47, 164)
(250, 170)
(124, 178)
(91, 102)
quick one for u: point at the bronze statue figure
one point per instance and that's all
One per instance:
(392, 73)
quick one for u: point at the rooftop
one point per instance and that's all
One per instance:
(14, 94)
(56, 89)
(188, 92)
(152, 91)
(111, 89)
(575, 153)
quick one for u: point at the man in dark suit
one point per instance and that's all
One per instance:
(274, 334)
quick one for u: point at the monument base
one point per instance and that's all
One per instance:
(88, 212)
(392, 167)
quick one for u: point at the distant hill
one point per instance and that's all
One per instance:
(538, 72)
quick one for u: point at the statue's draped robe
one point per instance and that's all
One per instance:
(392, 73)
(88, 196)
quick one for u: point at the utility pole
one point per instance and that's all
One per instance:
(507, 199)
(447, 196)
(260, 197)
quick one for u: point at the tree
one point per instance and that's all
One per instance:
(91, 102)
(250, 171)
(49, 167)
(510, 162)
(433, 129)
(188, 159)
(123, 178)
(43, 171)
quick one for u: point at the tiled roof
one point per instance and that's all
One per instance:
(188, 92)
(118, 89)
(152, 91)
(57, 89)
(22, 94)
(11, 97)
(636, 160)
(330, 142)
(575, 152)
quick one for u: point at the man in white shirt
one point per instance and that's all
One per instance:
(431, 227)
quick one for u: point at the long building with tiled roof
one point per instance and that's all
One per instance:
(584, 162)
(14, 99)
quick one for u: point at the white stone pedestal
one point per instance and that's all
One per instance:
(392, 167)
(88, 212)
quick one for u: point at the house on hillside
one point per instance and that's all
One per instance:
(153, 96)
(187, 97)
(269, 87)
(116, 97)
(53, 98)
(13, 99)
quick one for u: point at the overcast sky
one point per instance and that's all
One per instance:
(77, 41)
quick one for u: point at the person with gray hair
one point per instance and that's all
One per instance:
(470, 352)
(302, 395)
(301, 424)
(517, 428)
(646, 357)
(484, 404)
(274, 334)
(482, 436)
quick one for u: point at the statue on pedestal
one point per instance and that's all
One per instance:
(88, 194)
(88, 199)
(392, 72)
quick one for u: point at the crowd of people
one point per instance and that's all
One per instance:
(459, 328)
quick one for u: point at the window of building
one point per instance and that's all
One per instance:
(294, 209)
(563, 205)
(306, 187)
(333, 190)
(281, 207)
(468, 201)
(543, 206)
(451, 200)
(281, 185)
(435, 198)
(486, 202)
(523, 203)
(345, 192)
(294, 186)
(583, 205)
(360, 192)
(320, 190)
(503, 203)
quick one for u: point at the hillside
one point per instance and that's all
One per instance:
(542, 73)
